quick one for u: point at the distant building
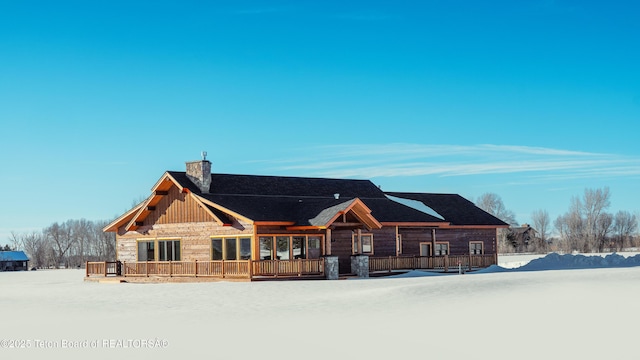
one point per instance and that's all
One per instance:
(13, 261)
(522, 238)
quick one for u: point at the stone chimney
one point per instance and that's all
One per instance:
(199, 172)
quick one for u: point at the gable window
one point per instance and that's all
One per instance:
(231, 248)
(169, 250)
(475, 248)
(441, 249)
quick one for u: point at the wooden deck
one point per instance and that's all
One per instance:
(222, 269)
(273, 269)
(444, 263)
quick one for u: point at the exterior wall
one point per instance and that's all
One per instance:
(178, 216)
(195, 238)
(458, 239)
(177, 207)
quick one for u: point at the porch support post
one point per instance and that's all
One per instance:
(433, 241)
(360, 265)
(327, 243)
(331, 267)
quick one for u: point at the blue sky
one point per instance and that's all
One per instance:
(532, 100)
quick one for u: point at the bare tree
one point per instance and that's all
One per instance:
(61, 240)
(492, 203)
(625, 225)
(541, 223)
(586, 226)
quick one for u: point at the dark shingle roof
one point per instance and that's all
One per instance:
(454, 208)
(310, 201)
(13, 256)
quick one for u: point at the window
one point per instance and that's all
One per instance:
(313, 243)
(282, 247)
(231, 248)
(365, 246)
(441, 249)
(245, 248)
(425, 249)
(475, 248)
(216, 249)
(285, 247)
(299, 248)
(266, 245)
(169, 250)
(146, 251)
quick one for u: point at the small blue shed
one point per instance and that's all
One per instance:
(13, 261)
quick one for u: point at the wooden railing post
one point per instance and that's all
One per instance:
(195, 268)
(250, 270)
(222, 269)
(469, 261)
(446, 263)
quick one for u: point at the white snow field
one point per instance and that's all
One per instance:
(498, 313)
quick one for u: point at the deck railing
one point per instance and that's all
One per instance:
(465, 262)
(242, 269)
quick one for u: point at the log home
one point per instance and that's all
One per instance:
(197, 224)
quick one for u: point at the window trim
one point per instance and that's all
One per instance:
(223, 243)
(430, 244)
(354, 251)
(274, 237)
(442, 243)
(156, 247)
(481, 247)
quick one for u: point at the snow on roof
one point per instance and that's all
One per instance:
(415, 204)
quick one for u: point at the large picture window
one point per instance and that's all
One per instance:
(146, 251)
(231, 248)
(287, 247)
(169, 250)
(159, 249)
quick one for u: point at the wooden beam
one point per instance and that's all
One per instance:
(161, 192)
(151, 208)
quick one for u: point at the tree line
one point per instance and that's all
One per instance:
(586, 227)
(67, 244)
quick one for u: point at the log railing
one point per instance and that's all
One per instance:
(213, 269)
(445, 263)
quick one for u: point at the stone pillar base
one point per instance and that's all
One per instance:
(360, 265)
(331, 270)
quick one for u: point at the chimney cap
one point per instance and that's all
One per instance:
(336, 196)
(204, 155)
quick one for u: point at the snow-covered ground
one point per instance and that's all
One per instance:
(494, 314)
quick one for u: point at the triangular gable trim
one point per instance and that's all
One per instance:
(125, 218)
(359, 210)
(223, 209)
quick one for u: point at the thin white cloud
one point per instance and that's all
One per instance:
(399, 159)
